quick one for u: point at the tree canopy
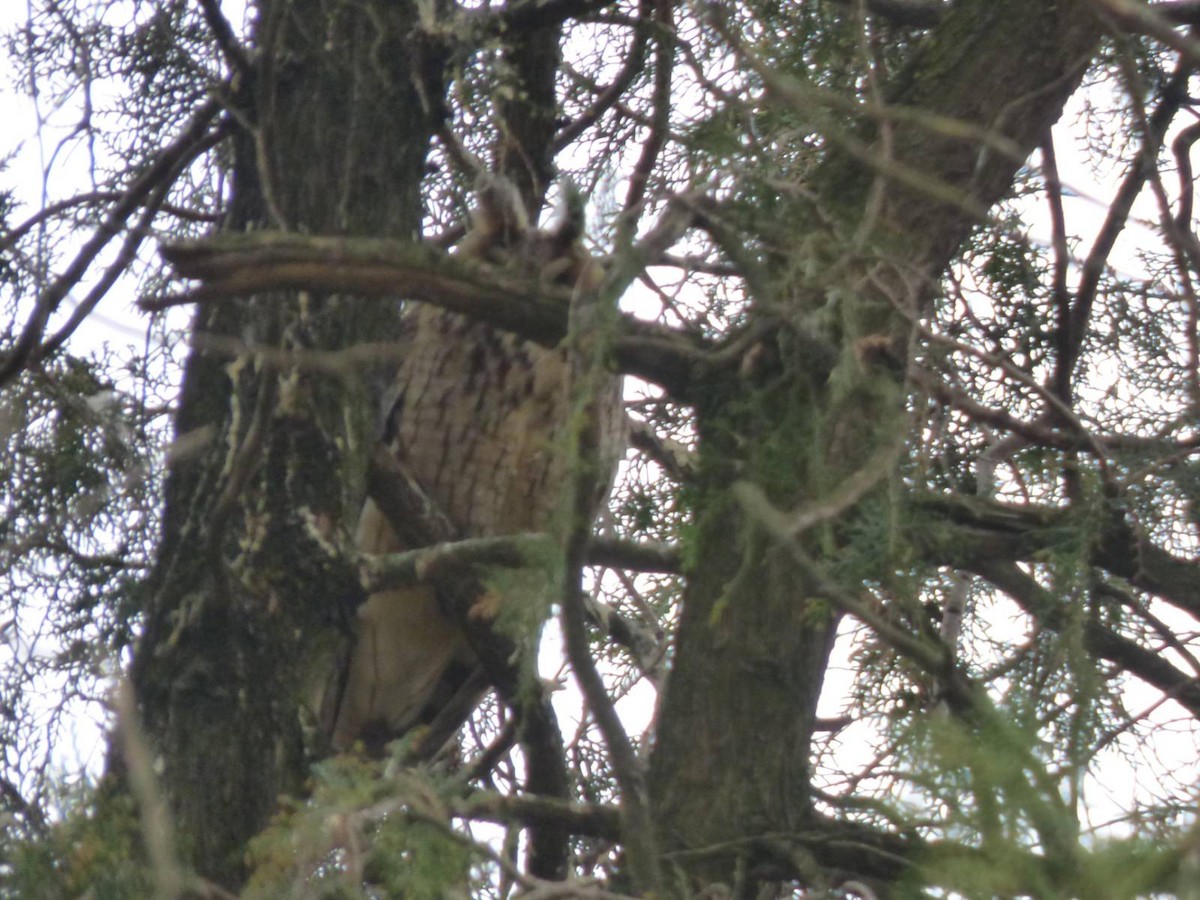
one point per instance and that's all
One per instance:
(896, 593)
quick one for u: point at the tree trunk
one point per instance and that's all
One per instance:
(732, 759)
(732, 754)
(250, 591)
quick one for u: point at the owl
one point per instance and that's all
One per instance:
(476, 422)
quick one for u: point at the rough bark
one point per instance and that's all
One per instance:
(332, 138)
(731, 763)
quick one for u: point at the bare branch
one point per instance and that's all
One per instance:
(245, 264)
(593, 821)
(194, 139)
(588, 350)
(231, 48)
(1174, 96)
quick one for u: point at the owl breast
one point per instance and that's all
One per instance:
(477, 421)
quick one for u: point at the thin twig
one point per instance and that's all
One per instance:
(191, 140)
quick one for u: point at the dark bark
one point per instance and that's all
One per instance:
(969, 530)
(246, 595)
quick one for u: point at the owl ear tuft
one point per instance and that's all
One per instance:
(563, 257)
(571, 215)
(501, 234)
(499, 218)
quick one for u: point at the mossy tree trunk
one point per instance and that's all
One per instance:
(815, 405)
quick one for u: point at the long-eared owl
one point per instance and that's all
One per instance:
(476, 422)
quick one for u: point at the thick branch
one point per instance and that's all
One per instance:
(928, 13)
(990, 530)
(1004, 69)
(591, 820)
(247, 264)
(529, 14)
